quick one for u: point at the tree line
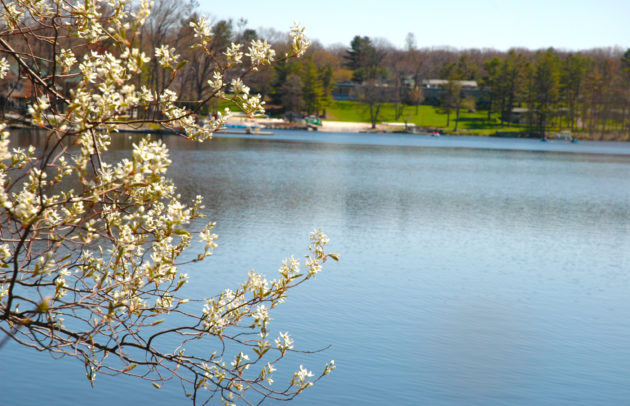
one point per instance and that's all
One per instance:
(586, 92)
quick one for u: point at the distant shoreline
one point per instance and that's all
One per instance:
(264, 125)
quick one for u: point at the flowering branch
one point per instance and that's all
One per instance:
(89, 249)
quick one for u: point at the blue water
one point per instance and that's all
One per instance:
(474, 271)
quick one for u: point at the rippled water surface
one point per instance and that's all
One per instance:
(474, 271)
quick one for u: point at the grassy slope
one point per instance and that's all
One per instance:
(428, 116)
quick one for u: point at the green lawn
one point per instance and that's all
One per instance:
(428, 116)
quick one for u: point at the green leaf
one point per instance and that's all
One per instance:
(180, 284)
(44, 305)
(180, 231)
(155, 385)
(130, 367)
(334, 257)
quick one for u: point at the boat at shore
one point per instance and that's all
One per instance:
(243, 130)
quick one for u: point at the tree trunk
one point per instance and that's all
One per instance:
(490, 107)
(399, 108)
(457, 110)
(374, 110)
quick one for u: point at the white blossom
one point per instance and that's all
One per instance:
(284, 342)
(12, 15)
(202, 29)
(4, 68)
(260, 53)
(4, 144)
(261, 317)
(167, 56)
(216, 82)
(329, 367)
(38, 109)
(66, 59)
(299, 42)
(144, 11)
(234, 54)
(5, 252)
(300, 378)
(239, 88)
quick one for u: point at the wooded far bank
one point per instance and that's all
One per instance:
(534, 92)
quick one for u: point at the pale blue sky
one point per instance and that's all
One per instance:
(500, 24)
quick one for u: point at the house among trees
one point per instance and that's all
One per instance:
(440, 83)
(433, 89)
(518, 115)
(343, 90)
(15, 94)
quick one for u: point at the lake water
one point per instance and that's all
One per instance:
(474, 271)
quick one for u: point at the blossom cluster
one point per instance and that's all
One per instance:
(101, 242)
(4, 67)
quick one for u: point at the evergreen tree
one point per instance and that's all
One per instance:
(573, 72)
(492, 82)
(454, 98)
(545, 89)
(312, 90)
(292, 93)
(511, 83)
(363, 59)
(326, 74)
